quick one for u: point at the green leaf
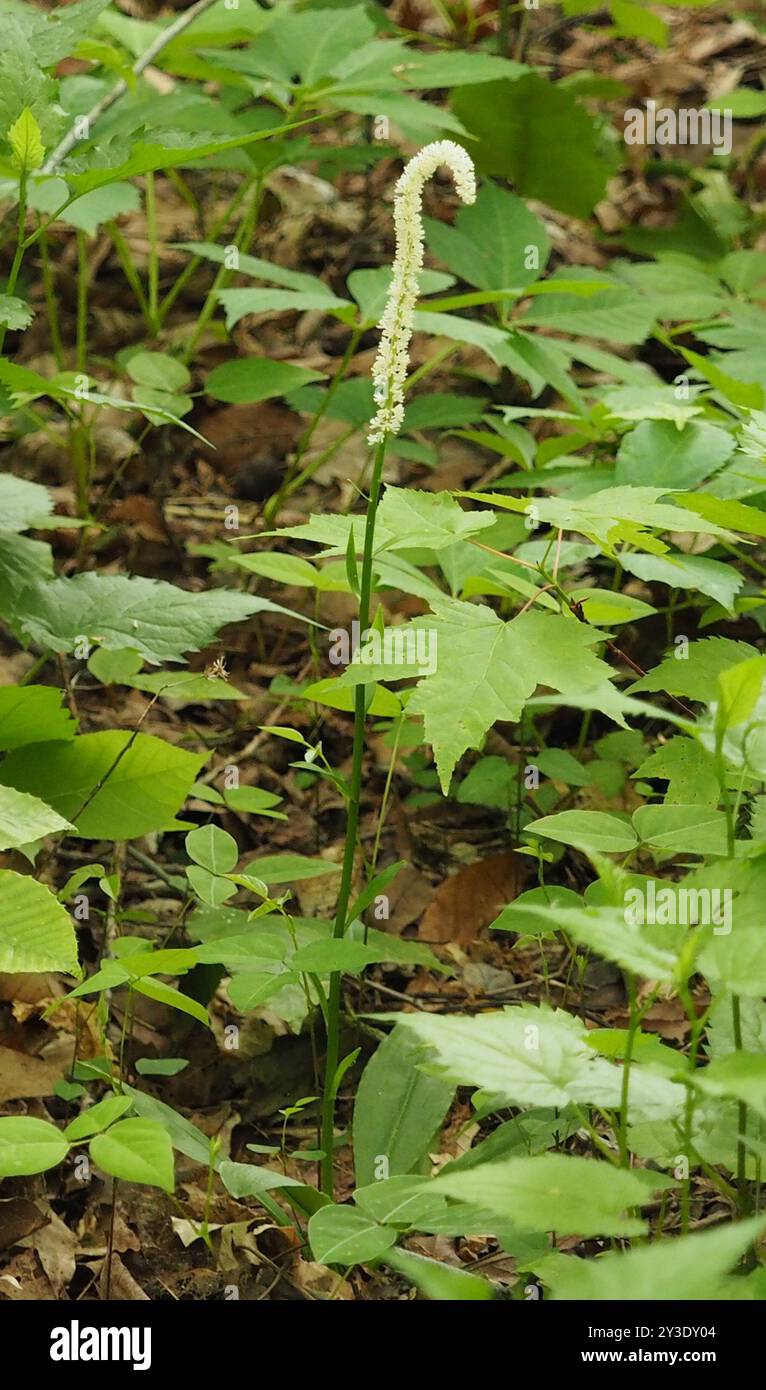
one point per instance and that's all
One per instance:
(741, 1075)
(157, 370)
(495, 244)
(29, 1146)
(102, 205)
(14, 313)
(290, 868)
(156, 619)
(536, 1056)
(212, 890)
(689, 769)
(27, 709)
(23, 504)
(694, 671)
(586, 830)
(136, 1151)
(398, 1109)
(693, 572)
(173, 998)
(737, 960)
(680, 829)
(656, 453)
(213, 849)
(493, 668)
(97, 1117)
(576, 1196)
(439, 1281)
(691, 1268)
(127, 798)
(36, 933)
(250, 379)
(519, 122)
(651, 951)
(25, 818)
(25, 140)
(344, 1236)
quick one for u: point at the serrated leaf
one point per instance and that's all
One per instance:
(25, 140)
(14, 313)
(576, 1196)
(535, 1056)
(694, 671)
(156, 619)
(36, 932)
(26, 709)
(689, 1268)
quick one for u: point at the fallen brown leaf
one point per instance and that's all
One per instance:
(472, 898)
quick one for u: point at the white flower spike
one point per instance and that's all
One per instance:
(390, 369)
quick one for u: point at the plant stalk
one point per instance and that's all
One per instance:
(352, 826)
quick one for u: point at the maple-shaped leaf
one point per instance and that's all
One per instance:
(694, 670)
(485, 670)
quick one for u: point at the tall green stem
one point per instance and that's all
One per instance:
(20, 244)
(153, 295)
(352, 826)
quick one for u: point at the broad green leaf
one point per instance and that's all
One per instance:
(439, 1281)
(521, 915)
(693, 572)
(651, 950)
(156, 619)
(535, 1056)
(611, 515)
(741, 1075)
(136, 1151)
(398, 1109)
(290, 868)
(691, 1268)
(680, 829)
(102, 205)
(495, 244)
(345, 1236)
(213, 849)
(97, 1117)
(250, 379)
(184, 1136)
(25, 710)
(157, 370)
(737, 960)
(574, 1196)
(586, 830)
(23, 504)
(24, 818)
(518, 123)
(36, 932)
(493, 668)
(655, 453)
(693, 671)
(28, 1145)
(132, 784)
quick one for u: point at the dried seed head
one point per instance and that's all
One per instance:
(390, 369)
(216, 670)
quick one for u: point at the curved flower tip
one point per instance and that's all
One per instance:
(390, 369)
